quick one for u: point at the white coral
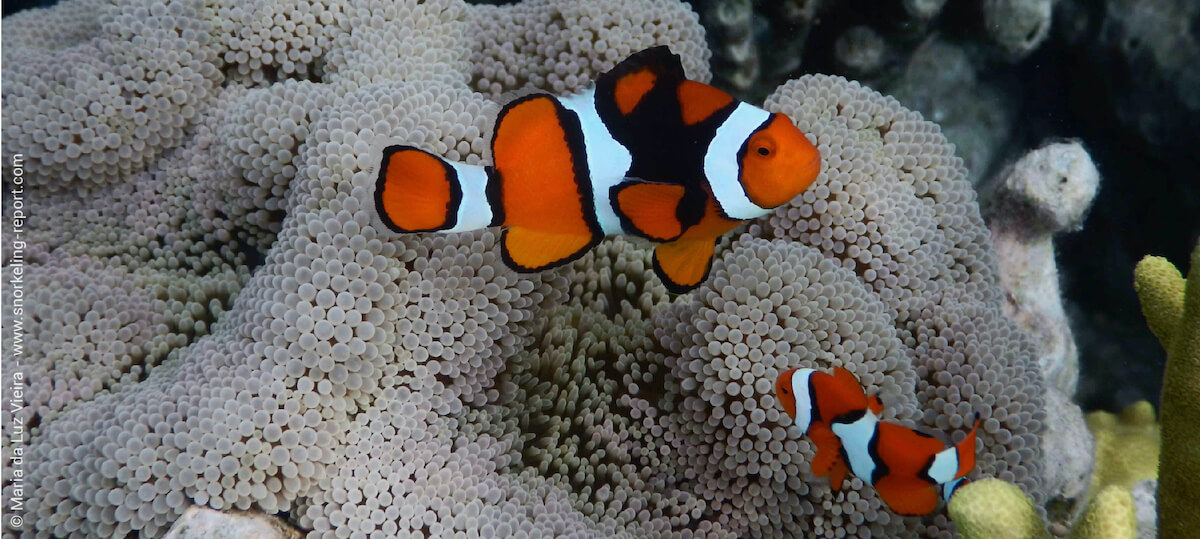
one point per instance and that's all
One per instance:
(1047, 191)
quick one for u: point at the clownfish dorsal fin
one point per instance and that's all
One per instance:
(699, 101)
(851, 386)
(659, 60)
(649, 209)
(633, 78)
(874, 404)
(528, 250)
(846, 377)
(683, 264)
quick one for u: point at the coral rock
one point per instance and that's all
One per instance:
(1144, 494)
(202, 522)
(923, 9)
(941, 81)
(1047, 191)
(1156, 43)
(1070, 452)
(1017, 26)
(732, 23)
(860, 51)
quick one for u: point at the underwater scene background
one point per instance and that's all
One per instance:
(209, 317)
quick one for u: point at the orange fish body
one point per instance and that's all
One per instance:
(815, 399)
(907, 468)
(644, 151)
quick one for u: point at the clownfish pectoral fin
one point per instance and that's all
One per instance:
(629, 81)
(529, 250)
(829, 454)
(649, 209)
(905, 498)
(683, 264)
(416, 191)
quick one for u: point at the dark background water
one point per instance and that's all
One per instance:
(14, 6)
(1121, 76)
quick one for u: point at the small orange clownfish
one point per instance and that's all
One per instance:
(906, 467)
(643, 151)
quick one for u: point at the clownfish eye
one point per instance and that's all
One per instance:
(786, 390)
(763, 144)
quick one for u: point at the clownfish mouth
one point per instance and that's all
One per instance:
(808, 171)
(813, 164)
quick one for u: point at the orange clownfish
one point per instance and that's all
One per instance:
(642, 151)
(906, 467)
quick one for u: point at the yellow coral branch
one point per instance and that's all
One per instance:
(1179, 464)
(1110, 515)
(1160, 288)
(1172, 309)
(1127, 446)
(995, 509)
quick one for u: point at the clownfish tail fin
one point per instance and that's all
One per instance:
(948, 489)
(417, 191)
(966, 451)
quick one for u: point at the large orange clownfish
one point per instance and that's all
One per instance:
(906, 467)
(643, 151)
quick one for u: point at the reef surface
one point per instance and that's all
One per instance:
(215, 319)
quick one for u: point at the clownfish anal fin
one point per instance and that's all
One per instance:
(684, 264)
(528, 250)
(837, 473)
(649, 209)
(829, 458)
(907, 499)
